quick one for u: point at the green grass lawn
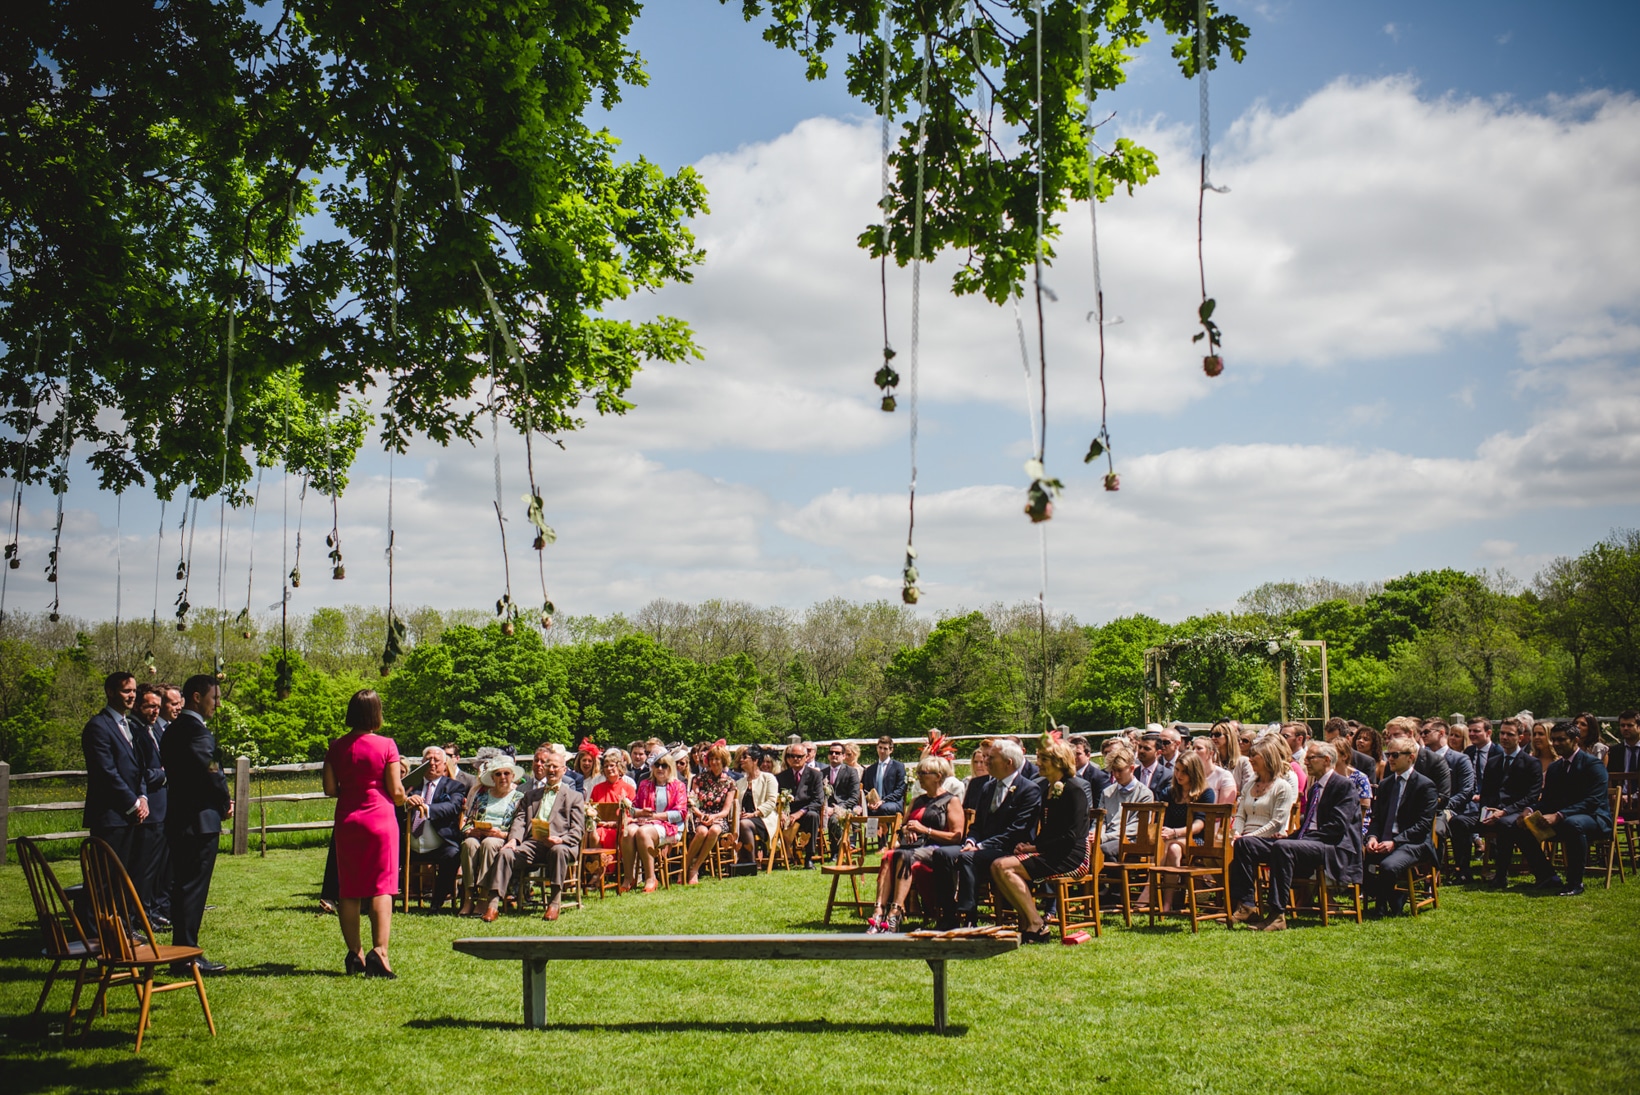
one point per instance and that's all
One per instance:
(1490, 993)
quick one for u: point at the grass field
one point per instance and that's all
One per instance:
(1491, 993)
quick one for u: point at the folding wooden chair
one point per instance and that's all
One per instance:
(118, 915)
(1204, 870)
(1422, 885)
(1626, 815)
(1136, 854)
(64, 936)
(1078, 891)
(1611, 860)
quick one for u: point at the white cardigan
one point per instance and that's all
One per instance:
(765, 797)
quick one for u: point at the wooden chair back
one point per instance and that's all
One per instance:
(59, 926)
(1295, 815)
(1144, 821)
(116, 912)
(1218, 837)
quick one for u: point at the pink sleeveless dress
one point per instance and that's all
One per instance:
(367, 829)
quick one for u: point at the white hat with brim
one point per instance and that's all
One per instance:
(487, 776)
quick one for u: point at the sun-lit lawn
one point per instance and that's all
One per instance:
(1490, 993)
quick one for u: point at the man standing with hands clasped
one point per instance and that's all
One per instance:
(116, 785)
(199, 803)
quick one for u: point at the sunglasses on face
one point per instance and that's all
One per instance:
(1218, 733)
(1396, 753)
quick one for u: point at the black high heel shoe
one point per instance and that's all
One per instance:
(373, 967)
(1043, 936)
(354, 964)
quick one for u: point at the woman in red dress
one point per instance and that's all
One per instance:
(363, 774)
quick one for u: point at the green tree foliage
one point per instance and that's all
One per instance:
(1107, 690)
(958, 681)
(1406, 606)
(165, 170)
(478, 686)
(300, 727)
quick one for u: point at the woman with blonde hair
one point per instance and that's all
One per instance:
(657, 815)
(1266, 801)
(1224, 784)
(1061, 845)
(1180, 825)
(933, 819)
(1226, 738)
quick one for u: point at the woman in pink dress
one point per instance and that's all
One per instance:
(363, 774)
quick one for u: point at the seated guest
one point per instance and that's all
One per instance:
(979, 775)
(1124, 786)
(484, 830)
(1061, 844)
(1542, 748)
(435, 807)
(1004, 819)
(1402, 832)
(884, 781)
(1460, 773)
(1087, 771)
(1266, 802)
(1231, 756)
(546, 830)
(586, 767)
(935, 819)
(1220, 779)
(1328, 837)
(1510, 781)
(938, 745)
(711, 805)
(1370, 742)
(1625, 756)
(1152, 770)
(841, 790)
(468, 779)
(806, 786)
(1346, 768)
(1180, 826)
(759, 794)
(655, 820)
(612, 786)
(638, 762)
(1574, 803)
(1588, 737)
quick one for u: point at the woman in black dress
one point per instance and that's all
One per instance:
(1061, 843)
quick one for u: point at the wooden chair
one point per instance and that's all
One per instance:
(1078, 891)
(1612, 859)
(853, 865)
(1317, 894)
(118, 916)
(416, 879)
(1626, 814)
(595, 860)
(65, 939)
(1422, 885)
(1137, 854)
(1204, 870)
(782, 844)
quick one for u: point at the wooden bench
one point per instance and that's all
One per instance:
(535, 951)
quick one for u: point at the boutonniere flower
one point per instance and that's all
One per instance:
(1057, 789)
(1009, 792)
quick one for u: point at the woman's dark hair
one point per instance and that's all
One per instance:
(364, 710)
(1588, 729)
(1375, 742)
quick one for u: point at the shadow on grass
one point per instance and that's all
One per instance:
(795, 1026)
(275, 969)
(34, 1061)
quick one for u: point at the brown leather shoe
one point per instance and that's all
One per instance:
(1276, 923)
(1243, 914)
(552, 912)
(490, 915)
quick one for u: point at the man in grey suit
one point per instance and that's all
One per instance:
(563, 811)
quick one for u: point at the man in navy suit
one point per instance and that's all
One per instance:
(146, 728)
(436, 805)
(1328, 837)
(1625, 755)
(1461, 773)
(1088, 772)
(1486, 761)
(1005, 817)
(116, 784)
(1519, 777)
(1150, 769)
(1402, 832)
(199, 803)
(885, 777)
(1574, 802)
(807, 789)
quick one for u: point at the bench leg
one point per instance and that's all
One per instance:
(535, 992)
(938, 966)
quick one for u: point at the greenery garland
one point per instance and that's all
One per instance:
(1230, 645)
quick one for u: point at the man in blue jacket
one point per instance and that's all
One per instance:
(199, 804)
(885, 778)
(116, 787)
(1574, 802)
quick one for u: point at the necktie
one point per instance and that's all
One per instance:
(1309, 808)
(1480, 764)
(882, 770)
(996, 796)
(1392, 799)
(124, 729)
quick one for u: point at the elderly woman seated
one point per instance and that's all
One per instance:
(711, 808)
(934, 818)
(759, 795)
(1061, 842)
(484, 832)
(655, 819)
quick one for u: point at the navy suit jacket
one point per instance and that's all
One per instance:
(1338, 825)
(1435, 769)
(199, 791)
(1463, 783)
(1161, 780)
(444, 809)
(1577, 785)
(1415, 812)
(1013, 822)
(1520, 782)
(1097, 780)
(1489, 783)
(976, 790)
(1618, 759)
(807, 793)
(115, 774)
(148, 739)
(893, 791)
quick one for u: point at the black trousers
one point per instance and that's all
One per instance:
(446, 858)
(1460, 837)
(1380, 883)
(958, 870)
(1576, 831)
(193, 859)
(157, 868)
(133, 847)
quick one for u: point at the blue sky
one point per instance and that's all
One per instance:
(1425, 276)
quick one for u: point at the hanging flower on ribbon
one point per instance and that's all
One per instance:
(887, 379)
(908, 590)
(1040, 494)
(1213, 363)
(507, 610)
(544, 534)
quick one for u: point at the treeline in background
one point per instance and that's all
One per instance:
(1431, 642)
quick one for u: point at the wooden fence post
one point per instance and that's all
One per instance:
(241, 805)
(5, 809)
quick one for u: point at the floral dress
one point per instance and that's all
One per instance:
(712, 793)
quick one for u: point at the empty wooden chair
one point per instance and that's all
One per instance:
(118, 917)
(64, 936)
